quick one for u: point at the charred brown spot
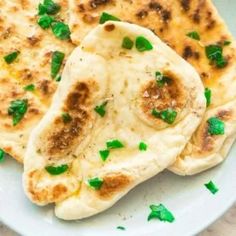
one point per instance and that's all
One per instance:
(196, 16)
(65, 135)
(33, 40)
(89, 19)
(211, 22)
(54, 194)
(109, 27)
(168, 96)
(142, 14)
(45, 87)
(58, 191)
(63, 138)
(189, 53)
(224, 115)
(81, 7)
(155, 6)
(95, 3)
(113, 184)
(207, 140)
(185, 5)
(164, 13)
(77, 98)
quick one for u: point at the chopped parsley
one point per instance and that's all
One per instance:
(121, 227)
(101, 110)
(57, 170)
(66, 117)
(95, 183)
(57, 60)
(227, 42)
(104, 154)
(142, 44)
(215, 54)
(114, 144)
(106, 17)
(160, 212)
(161, 79)
(17, 110)
(194, 35)
(58, 78)
(127, 43)
(48, 7)
(2, 155)
(142, 146)
(61, 30)
(29, 87)
(45, 21)
(169, 115)
(216, 126)
(10, 58)
(208, 96)
(212, 187)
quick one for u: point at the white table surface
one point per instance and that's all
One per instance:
(225, 226)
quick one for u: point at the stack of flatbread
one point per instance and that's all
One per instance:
(100, 95)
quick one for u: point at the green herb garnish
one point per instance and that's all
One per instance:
(17, 110)
(168, 115)
(216, 126)
(104, 154)
(194, 35)
(57, 60)
(121, 227)
(142, 44)
(45, 21)
(10, 58)
(66, 117)
(101, 110)
(61, 30)
(114, 144)
(48, 7)
(160, 212)
(208, 96)
(57, 170)
(58, 78)
(215, 54)
(29, 87)
(107, 17)
(227, 42)
(212, 187)
(2, 155)
(161, 79)
(127, 43)
(95, 183)
(142, 146)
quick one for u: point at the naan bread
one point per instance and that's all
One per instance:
(172, 20)
(20, 32)
(99, 71)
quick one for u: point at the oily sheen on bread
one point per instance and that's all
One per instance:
(189, 27)
(105, 70)
(20, 33)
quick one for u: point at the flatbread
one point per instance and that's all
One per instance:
(20, 32)
(101, 70)
(172, 20)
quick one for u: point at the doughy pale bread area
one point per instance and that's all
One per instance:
(101, 70)
(20, 32)
(172, 20)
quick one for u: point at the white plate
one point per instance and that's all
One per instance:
(193, 206)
